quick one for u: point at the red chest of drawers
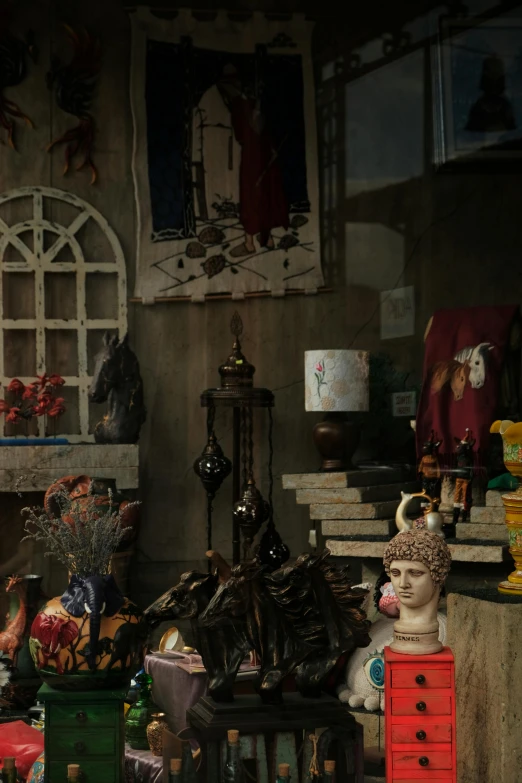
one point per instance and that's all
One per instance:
(420, 717)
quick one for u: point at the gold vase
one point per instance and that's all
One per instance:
(155, 731)
(512, 441)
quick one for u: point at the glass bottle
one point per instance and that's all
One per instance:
(233, 769)
(139, 714)
(329, 771)
(283, 775)
(73, 773)
(9, 773)
(175, 771)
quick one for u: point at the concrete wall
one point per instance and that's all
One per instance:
(456, 239)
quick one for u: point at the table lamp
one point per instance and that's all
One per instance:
(337, 382)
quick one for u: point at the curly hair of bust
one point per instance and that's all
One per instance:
(420, 546)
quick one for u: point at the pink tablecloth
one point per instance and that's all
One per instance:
(174, 690)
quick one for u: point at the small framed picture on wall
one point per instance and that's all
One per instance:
(477, 94)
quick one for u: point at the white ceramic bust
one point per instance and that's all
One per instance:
(418, 563)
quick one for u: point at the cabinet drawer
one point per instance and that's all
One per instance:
(421, 678)
(77, 745)
(422, 761)
(91, 716)
(426, 780)
(92, 771)
(404, 733)
(421, 704)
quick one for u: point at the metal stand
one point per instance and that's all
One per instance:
(238, 399)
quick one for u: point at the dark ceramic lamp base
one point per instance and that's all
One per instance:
(336, 441)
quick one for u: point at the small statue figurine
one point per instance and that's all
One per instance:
(418, 563)
(429, 468)
(464, 475)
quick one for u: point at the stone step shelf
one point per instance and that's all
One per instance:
(358, 527)
(382, 510)
(467, 530)
(468, 552)
(482, 515)
(351, 478)
(306, 497)
(494, 498)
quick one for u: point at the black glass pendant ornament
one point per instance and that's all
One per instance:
(272, 551)
(212, 466)
(250, 512)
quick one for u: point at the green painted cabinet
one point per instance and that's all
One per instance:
(85, 728)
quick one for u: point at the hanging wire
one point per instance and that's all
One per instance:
(244, 444)
(270, 465)
(211, 415)
(250, 442)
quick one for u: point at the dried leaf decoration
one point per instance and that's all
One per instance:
(13, 70)
(74, 85)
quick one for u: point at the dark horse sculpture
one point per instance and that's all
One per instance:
(223, 649)
(301, 618)
(117, 379)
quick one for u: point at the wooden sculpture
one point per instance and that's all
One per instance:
(301, 618)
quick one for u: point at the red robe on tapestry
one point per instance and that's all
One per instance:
(263, 205)
(464, 355)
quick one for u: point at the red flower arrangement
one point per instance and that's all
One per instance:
(34, 399)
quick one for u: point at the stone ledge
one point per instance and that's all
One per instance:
(482, 515)
(352, 478)
(358, 527)
(354, 510)
(470, 530)
(373, 546)
(355, 494)
(494, 499)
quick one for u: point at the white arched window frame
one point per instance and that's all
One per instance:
(41, 259)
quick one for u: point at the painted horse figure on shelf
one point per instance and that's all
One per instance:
(222, 649)
(117, 379)
(302, 618)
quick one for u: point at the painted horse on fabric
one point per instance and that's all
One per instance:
(117, 379)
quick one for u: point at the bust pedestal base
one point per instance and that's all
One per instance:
(416, 638)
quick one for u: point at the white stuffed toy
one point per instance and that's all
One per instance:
(364, 680)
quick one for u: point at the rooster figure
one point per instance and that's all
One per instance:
(13, 70)
(74, 85)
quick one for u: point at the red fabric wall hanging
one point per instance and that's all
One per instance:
(464, 355)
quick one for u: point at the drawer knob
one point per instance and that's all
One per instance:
(421, 735)
(81, 717)
(424, 761)
(80, 747)
(421, 706)
(420, 679)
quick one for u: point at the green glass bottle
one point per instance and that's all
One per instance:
(233, 769)
(175, 771)
(139, 714)
(9, 773)
(73, 773)
(283, 774)
(329, 771)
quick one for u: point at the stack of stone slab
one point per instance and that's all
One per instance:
(356, 503)
(487, 523)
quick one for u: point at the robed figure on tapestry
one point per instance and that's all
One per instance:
(225, 160)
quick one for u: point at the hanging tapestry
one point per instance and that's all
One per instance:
(225, 155)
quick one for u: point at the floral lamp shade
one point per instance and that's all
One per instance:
(337, 381)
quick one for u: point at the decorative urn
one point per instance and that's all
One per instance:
(511, 434)
(92, 636)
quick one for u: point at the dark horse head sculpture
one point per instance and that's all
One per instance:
(222, 649)
(117, 379)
